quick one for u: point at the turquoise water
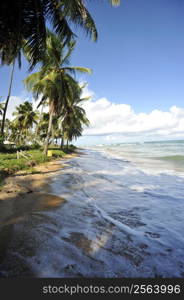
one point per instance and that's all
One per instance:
(162, 156)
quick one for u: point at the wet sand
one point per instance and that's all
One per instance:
(23, 194)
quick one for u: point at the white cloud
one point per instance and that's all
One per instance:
(115, 122)
(119, 120)
(15, 101)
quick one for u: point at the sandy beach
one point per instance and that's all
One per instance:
(23, 194)
(23, 182)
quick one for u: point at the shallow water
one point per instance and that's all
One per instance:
(121, 219)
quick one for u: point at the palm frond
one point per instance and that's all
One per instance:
(79, 69)
(26, 20)
(115, 2)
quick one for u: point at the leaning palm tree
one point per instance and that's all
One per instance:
(26, 20)
(54, 81)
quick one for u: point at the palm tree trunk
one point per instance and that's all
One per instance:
(36, 132)
(67, 143)
(62, 142)
(7, 101)
(49, 131)
(37, 125)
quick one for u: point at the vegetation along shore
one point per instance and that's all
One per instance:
(28, 160)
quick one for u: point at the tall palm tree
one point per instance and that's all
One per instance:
(54, 81)
(7, 129)
(7, 101)
(25, 118)
(9, 58)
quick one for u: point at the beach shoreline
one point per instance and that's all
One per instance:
(23, 194)
(99, 216)
(32, 191)
(24, 182)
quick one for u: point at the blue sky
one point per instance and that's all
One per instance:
(139, 56)
(138, 59)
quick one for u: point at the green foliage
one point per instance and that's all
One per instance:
(55, 83)
(22, 125)
(9, 164)
(59, 90)
(26, 20)
(35, 146)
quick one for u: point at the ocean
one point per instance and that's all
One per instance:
(123, 216)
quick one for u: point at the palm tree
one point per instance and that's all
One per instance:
(7, 129)
(25, 118)
(54, 81)
(74, 117)
(7, 101)
(26, 20)
(43, 126)
(15, 134)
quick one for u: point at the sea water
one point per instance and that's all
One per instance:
(123, 217)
